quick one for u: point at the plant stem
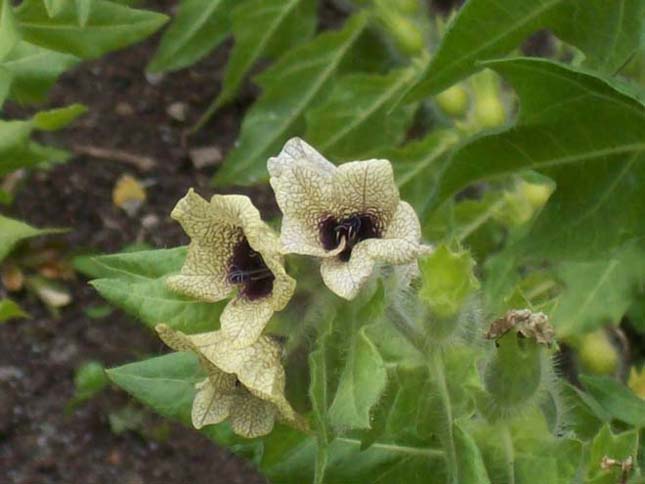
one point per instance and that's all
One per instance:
(437, 368)
(509, 454)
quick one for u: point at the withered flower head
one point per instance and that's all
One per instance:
(244, 385)
(350, 216)
(232, 248)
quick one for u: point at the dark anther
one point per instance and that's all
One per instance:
(352, 229)
(248, 270)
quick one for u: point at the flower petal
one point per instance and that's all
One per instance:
(365, 187)
(210, 406)
(252, 417)
(345, 279)
(404, 225)
(242, 321)
(301, 179)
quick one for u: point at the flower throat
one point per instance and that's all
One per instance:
(248, 270)
(353, 229)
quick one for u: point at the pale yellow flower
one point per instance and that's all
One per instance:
(232, 248)
(244, 385)
(351, 215)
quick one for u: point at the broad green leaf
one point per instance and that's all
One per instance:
(14, 231)
(363, 377)
(470, 464)
(615, 446)
(618, 400)
(35, 71)
(357, 119)
(361, 384)
(135, 282)
(289, 88)
(608, 33)
(10, 310)
(55, 119)
(109, 27)
(14, 139)
(262, 28)
(598, 292)
(583, 132)
(9, 32)
(197, 28)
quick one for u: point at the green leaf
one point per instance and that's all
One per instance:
(35, 71)
(362, 382)
(166, 384)
(84, 10)
(89, 379)
(583, 132)
(55, 119)
(618, 400)
(109, 27)
(5, 84)
(14, 231)
(357, 119)
(197, 28)
(135, 282)
(470, 464)
(9, 32)
(263, 27)
(54, 7)
(615, 446)
(289, 87)
(608, 32)
(598, 292)
(10, 310)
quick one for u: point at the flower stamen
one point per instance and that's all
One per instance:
(351, 229)
(248, 270)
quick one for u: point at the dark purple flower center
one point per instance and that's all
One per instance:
(248, 270)
(352, 229)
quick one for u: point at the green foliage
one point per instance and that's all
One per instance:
(542, 210)
(89, 379)
(13, 232)
(198, 27)
(10, 310)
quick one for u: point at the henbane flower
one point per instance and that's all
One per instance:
(232, 248)
(351, 215)
(244, 385)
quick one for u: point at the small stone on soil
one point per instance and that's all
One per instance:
(206, 156)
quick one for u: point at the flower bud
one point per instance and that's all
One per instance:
(453, 101)
(597, 355)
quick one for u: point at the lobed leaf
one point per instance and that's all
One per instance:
(136, 282)
(608, 33)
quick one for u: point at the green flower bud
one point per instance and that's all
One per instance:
(489, 112)
(519, 371)
(453, 101)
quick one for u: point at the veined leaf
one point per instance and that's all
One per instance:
(9, 33)
(616, 399)
(583, 132)
(10, 310)
(289, 87)
(598, 292)
(136, 283)
(607, 32)
(356, 120)
(109, 27)
(262, 27)
(34, 70)
(14, 231)
(198, 27)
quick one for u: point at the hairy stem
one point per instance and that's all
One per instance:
(436, 367)
(509, 454)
